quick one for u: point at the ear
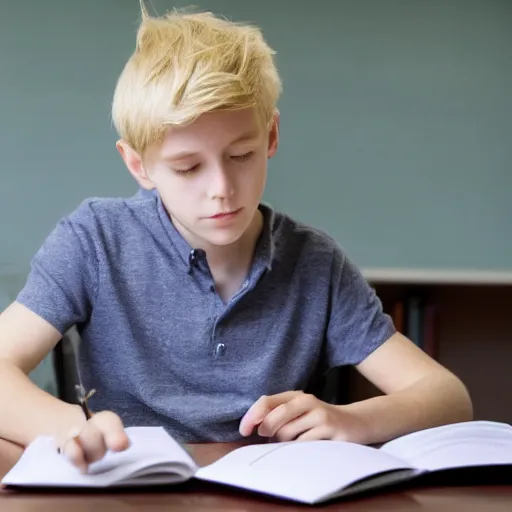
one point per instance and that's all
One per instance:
(133, 161)
(273, 136)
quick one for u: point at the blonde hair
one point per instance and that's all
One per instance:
(187, 64)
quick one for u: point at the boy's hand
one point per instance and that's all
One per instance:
(294, 415)
(104, 431)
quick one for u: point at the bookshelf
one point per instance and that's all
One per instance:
(465, 323)
(378, 276)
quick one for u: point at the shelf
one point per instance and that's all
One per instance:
(434, 276)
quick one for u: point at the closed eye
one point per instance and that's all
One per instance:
(185, 171)
(242, 158)
(237, 158)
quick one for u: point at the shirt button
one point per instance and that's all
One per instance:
(220, 349)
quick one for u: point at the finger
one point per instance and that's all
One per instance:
(92, 442)
(315, 434)
(112, 430)
(283, 414)
(295, 428)
(259, 409)
(72, 450)
(316, 416)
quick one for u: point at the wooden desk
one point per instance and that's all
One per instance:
(199, 496)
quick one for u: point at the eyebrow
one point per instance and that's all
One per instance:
(179, 156)
(245, 138)
(186, 154)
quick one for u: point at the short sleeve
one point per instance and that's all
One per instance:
(357, 323)
(61, 283)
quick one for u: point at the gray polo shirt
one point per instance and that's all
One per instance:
(158, 343)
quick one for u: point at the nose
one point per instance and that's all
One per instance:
(221, 183)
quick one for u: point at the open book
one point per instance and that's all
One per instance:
(309, 472)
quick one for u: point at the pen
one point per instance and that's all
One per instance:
(82, 397)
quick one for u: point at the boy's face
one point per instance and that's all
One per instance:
(210, 174)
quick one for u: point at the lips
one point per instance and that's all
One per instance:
(223, 215)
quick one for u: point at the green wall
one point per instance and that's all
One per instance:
(396, 121)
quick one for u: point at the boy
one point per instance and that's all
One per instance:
(199, 308)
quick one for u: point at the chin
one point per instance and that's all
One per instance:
(223, 239)
(227, 235)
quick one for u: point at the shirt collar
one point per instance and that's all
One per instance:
(265, 246)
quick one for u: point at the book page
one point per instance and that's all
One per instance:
(467, 444)
(305, 471)
(153, 457)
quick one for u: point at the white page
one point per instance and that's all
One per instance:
(474, 443)
(303, 471)
(151, 449)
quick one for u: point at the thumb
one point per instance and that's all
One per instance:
(250, 421)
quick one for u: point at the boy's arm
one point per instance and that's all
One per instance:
(27, 411)
(419, 392)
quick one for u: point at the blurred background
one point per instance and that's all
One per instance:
(396, 120)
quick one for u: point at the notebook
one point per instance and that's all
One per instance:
(308, 472)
